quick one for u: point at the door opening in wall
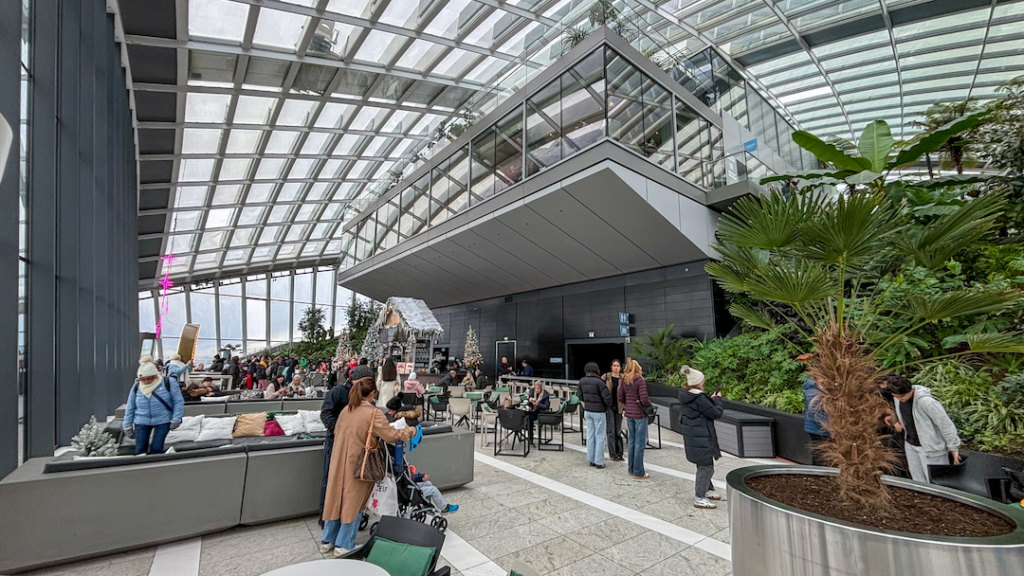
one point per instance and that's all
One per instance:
(599, 350)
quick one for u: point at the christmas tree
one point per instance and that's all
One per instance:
(472, 357)
(92, 440)
(344, 350)
(371, 347)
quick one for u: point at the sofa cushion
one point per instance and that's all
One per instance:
(311, 421)
(187, 432)
(398, 558)
(217, 428)
(272, 428)
(292, 424)
(249, 425)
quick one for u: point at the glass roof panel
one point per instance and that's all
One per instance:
(243, 141)
(234, 169)
(277, 29)
(206, 107)
(200, 141)
(189, 196)
(217, 20)
(253, 109)
(417, 54)
(281, 142)
(400, 13)
(367, 118)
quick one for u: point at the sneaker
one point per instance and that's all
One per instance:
(644, 477)
(591, 463)
(339, 552)
(599, 466)
(618, 459)
(712, 495)
(326, 547)
(703, 503)
(451, 508)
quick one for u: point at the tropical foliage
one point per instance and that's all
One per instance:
(869, 279)
(666, 352)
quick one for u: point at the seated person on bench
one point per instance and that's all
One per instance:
(540, 401)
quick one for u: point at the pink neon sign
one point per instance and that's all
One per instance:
(166, 283)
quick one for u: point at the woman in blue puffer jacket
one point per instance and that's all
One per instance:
(154, 408)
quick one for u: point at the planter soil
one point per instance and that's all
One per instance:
(910, 511)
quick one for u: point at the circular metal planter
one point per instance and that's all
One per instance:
(772, 539)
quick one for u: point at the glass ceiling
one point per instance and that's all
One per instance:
(298, 113)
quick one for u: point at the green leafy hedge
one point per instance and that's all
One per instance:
(754, 367)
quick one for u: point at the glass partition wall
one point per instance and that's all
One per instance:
(601, 96)
(248, 314)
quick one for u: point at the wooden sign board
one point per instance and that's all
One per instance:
(187, 343)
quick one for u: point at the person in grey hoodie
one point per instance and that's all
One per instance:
(930, 435)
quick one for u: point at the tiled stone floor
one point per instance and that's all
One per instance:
(507, 515)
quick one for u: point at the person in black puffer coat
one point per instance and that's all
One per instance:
(697, 415)
(597, 400)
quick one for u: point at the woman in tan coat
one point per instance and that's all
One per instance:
(346, 496)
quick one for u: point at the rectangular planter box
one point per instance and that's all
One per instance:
(745, 435)
(790, 441)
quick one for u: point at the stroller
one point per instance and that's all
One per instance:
(412, 503)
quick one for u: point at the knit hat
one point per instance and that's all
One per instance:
(147, 368)
(694, 377)
(360, 372)
(175, 356)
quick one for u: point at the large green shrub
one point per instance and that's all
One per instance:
(989, 415)
(756, 367)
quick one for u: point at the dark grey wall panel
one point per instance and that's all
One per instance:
(10, 109)
(542, 320)
(82, 219)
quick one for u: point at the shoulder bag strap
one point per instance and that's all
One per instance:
(366, 451)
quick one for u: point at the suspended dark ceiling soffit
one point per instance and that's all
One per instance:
(857, 27)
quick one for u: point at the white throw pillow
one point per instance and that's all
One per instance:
(187, 432)
(291, 425)
(217, 428)
(213, 398)
(311, 419)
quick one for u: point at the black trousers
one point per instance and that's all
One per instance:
(614, 430)
(328, 449)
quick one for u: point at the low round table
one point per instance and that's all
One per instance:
(330, 568)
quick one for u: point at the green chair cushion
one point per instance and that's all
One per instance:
(400, 559)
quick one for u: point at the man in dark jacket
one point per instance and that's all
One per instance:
(334, 403)
(597, 400)
(448, 380)
(217, 365)
(527, 369)
(232, 369)
(697, 414)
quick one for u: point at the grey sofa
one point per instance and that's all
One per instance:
(57, 510)
(59, 517)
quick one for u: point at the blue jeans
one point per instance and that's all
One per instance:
(342, 535)
(596, 423)
(637, 442)
(143, 445)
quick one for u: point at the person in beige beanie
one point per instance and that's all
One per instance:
(153, 409)
(698, 413)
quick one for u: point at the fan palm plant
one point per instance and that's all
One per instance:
(825, 267)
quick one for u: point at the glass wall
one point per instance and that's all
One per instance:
(603, 95)
(248, 314)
